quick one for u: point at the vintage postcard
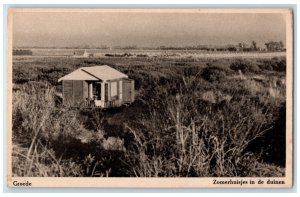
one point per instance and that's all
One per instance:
(150, 98)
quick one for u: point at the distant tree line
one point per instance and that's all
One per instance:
(22, 52)
(242, 46)
(275, 46)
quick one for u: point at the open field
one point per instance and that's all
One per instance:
(39, 52)
(195, 114)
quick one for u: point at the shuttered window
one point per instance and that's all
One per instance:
(68, 92)
(113, 89)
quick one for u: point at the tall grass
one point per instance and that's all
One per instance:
(52, 140)
(37, 122)
(192, 139)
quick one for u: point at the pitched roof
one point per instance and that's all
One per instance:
(94, 73)
(78, 74)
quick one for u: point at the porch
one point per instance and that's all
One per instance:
(104, 94)
(102, 104)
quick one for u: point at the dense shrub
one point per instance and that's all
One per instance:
(24, 75)
(244, 66)
(216, 71)
(22, 52)
(276, 64)
(221, 65)
(213, 74)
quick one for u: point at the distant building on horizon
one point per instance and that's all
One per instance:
(81, 53)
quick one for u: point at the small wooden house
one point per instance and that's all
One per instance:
(99, 86)
(81, 53)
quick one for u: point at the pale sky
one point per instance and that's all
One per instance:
(144, 29)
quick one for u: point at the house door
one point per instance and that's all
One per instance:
(97, 91)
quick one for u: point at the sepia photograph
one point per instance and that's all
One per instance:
(150, 97)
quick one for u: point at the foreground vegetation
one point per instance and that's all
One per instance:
(192, 117)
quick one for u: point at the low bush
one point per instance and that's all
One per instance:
(213, 74)
(244, 66)
(216, 71)
(274, 64)
(22, 52)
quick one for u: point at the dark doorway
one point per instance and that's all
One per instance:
(97, 91)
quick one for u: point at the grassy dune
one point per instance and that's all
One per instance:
(196, 117)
